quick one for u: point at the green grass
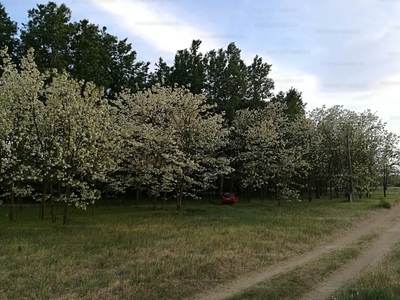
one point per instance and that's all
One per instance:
(136, 253)
(380, 281)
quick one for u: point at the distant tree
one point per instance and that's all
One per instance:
(188, 68)
(259, 86)
(161, 73)
(225, 82)
(293, 100)
(48, 31)
(8, 32)
(101, 58)
(90, 54)
(389, 158)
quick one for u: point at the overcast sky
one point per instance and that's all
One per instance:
(334, 52)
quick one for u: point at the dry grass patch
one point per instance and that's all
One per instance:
(129, 253)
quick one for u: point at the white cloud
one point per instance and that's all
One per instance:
(156, 25)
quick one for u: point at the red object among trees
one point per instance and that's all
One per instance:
(229, 198)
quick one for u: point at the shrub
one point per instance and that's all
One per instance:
(384, 204)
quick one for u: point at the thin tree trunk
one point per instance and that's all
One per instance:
(221, 187)
(65, 217)
(12, 217)
(262, 194)
(154, 202)
(137, 195)
(19, 198)
(106, 196)
(317, 191)
(163, 201)
(179, 198)
(52, 203)
(43, 203)
(278, 196)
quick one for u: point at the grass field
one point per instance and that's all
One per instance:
(137, 253)
(302, 279)
(380, 281)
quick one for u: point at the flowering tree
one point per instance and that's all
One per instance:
(171, 140)
(270, 149)
(57, 131)
(19, 89)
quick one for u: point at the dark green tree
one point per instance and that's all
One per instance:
(100, 57)
(293, 100)
(259, 86)
(161, 73)
(8, 32)
(48, 32)
(90, 56)
(188, 68)
(225, 82)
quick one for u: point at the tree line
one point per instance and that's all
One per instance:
(80, 117)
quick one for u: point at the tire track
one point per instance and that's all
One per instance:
(382, 221)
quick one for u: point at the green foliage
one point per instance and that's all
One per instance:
(384, 204)
(225, 81)
(259, 86)
(48, 31)
(293, 101)
(188, 69)
(8, 32)
(273, 146)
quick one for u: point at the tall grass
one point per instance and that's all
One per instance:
(135, 253)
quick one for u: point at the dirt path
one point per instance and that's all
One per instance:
(339, 278)
(385, 220)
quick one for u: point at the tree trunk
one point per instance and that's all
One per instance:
(155, 202)
(19, 198)
(163, 200)
(43, 202)
(278, 197)
(317, 190)
(67, 195)
(179, 198)
(221, 186)
(137, 195)
(54, 217)
(12, 217)
(65, 217)
(384, 183)
(106, 196)
(52, 203)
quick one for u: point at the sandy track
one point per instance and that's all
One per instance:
(352, 270)
(385, 220)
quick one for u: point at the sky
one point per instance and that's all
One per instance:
(334, 52)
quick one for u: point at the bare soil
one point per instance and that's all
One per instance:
(386, 221)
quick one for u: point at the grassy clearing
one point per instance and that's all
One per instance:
(381, 281)
(128, 253)
(302, 279)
